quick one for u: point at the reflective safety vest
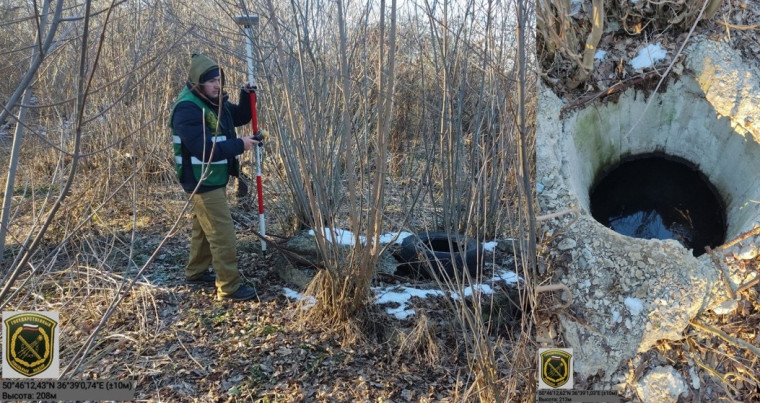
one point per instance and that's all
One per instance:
(213, 173)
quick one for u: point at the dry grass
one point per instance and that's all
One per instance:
(176, 341)
(420, 342)
(117, 219)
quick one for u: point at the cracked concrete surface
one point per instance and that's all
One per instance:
(629, 293)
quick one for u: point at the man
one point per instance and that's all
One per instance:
(206, 149)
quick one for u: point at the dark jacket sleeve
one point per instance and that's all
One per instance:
(241, 113)
(188, 124)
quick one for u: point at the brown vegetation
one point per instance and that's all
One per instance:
(402, 120)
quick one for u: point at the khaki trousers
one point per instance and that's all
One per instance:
(213, 241)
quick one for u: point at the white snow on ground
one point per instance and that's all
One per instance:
(634, 305)
(506, 276)
(468, 291)
(400, 296)
(389, 237)
(599, 55)
(310, 301)
(345, 237)
(339, 236)
(648, 56)
(291, 293)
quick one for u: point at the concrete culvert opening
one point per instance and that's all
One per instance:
(629, 293)
(657, 196)
(685, 129)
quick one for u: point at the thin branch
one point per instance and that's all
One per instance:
(731, 340)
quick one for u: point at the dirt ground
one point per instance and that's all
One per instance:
(737, 23)
(180, 344)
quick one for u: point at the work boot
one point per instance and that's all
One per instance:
(244, 293)
(207, 278)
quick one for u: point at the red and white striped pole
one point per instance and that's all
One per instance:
(248, 21)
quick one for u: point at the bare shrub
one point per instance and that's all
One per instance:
(352, 102)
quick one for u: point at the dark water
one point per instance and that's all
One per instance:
(655, 197)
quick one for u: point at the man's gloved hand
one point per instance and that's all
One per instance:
(248, 88)
(260, 136)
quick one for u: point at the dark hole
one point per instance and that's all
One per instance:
(442, 245)
(656, 196)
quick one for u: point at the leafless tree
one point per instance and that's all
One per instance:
(383, 117)
(48, 21)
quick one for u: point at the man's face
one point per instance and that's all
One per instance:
(211, 88)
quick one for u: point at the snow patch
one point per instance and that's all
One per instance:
(506, 276)
(310, 300)
(469, 291)
(292, 294)
(490, 246)
(387, 238)
(648, 56)
(345, 237)
(401, 296)
(339, 236)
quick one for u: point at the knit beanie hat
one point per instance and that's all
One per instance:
(209, 75)
(200, 66)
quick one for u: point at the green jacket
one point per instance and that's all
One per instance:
(206, 146)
